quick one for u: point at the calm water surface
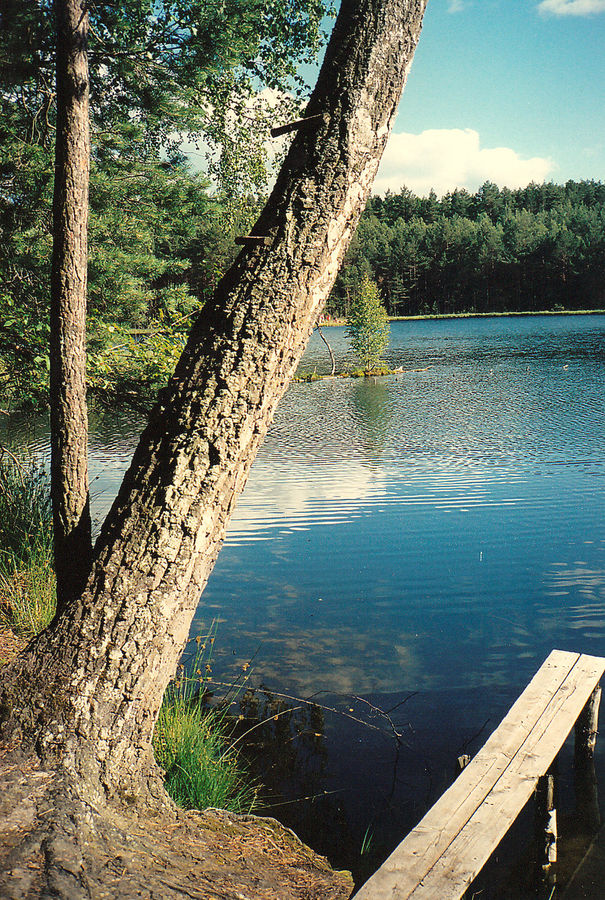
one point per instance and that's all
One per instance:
(419, 542)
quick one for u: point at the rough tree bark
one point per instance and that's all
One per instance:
(84, 696)
(69, 421)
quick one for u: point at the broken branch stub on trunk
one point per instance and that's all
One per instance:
(90, 687)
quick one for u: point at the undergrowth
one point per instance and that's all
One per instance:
(27, 580)
(193, 742)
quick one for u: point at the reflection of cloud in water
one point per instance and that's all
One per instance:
(296, 493)
(576, 578)
(579, 582)
(345, 661)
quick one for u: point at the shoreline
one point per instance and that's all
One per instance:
(477, 315)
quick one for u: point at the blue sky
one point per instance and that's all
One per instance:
(506, 90)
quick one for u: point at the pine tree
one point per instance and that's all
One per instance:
(368, 325)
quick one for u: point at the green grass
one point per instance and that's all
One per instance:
(193, 743)
(201, 768)
(368, 373)
(27, 580)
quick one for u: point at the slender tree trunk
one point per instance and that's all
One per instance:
(88, 690)
(69, 422)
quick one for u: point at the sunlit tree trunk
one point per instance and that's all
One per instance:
(69, 423)
(88, 689)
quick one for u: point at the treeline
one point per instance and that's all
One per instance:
(541, 247)
(160, 235)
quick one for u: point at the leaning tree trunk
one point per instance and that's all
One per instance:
(87, 691)
(69, 421)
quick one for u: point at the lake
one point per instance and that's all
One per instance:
(407, 551)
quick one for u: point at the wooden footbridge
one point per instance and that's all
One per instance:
(439, 858)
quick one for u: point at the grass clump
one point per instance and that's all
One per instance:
(369, 373)
(27, 580)
(193, 743)
(309, 378)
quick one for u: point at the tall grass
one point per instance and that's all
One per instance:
(27, 580)
(193, 743)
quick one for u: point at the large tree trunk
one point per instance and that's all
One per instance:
(87, 691)
(69, 421)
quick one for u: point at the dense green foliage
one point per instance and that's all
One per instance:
(368, 324)
(217, 75)
(161, 235)
(540, 247)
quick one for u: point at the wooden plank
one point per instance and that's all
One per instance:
(433, 835)
(442, 855)
(474, 844)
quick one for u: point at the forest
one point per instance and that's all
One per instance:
(211, 77)
(541, 247)
(161, 238)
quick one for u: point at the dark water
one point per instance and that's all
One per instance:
(423, 539)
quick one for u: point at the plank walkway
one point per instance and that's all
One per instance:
(441, 856)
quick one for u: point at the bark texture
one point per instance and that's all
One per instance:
(88, 689)
(69, 422)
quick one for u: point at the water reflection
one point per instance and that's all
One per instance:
(372, 407)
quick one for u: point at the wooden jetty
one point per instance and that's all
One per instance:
(439, 858)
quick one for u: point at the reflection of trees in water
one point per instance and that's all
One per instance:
(287, 754)
(115, 427)
(371, 411)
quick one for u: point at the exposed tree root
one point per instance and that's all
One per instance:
(54, 844)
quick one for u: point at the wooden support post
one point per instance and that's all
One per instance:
(587, 798)
(587, 727)
(546, 832)
(296, 125)
(461, 763)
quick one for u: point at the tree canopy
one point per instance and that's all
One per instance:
(217, 75)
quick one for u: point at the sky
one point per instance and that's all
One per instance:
(509, 91)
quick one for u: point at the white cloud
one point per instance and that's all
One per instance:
(572, 7)
(278, 496)
(444, 159)
(454, 6)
